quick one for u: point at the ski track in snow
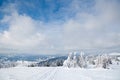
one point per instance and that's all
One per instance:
(36, 75)
(58, 73)
(46, 75)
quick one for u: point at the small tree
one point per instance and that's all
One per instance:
(82, 62)
(68, 62)
(103, 61)
(75, 61)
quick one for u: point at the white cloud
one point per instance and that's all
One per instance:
(96, 29)
(22, 32)
(92, 30)
(26, 35)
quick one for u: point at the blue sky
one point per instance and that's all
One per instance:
(54, 26)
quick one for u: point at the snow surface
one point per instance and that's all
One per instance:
(59, 73)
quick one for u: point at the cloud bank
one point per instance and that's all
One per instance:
(88, 25)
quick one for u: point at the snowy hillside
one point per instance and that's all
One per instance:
(7, 61)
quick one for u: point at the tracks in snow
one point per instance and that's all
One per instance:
(48, 74)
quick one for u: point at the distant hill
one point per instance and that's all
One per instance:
(57, 61)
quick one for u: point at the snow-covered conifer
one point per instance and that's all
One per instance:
(67, 62)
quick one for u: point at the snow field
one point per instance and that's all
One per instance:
(58, 73)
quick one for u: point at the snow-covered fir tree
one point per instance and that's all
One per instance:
(103, 61)
(82, 61)
(68, 63)
(75, 60)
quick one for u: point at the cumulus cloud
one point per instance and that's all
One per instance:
(27, 35)
(22, 33)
